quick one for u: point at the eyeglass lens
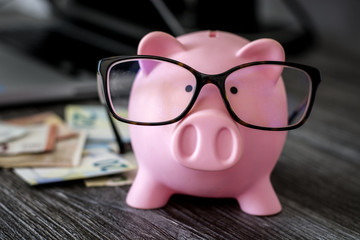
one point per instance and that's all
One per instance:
(265, 95)
(152, 91)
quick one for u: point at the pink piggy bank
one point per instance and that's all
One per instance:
(207, 153)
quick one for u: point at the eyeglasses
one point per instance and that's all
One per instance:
(152, 90)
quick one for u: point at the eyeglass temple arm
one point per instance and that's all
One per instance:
(300, 108)
(119, 141)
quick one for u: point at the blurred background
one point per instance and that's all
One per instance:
(49, 49)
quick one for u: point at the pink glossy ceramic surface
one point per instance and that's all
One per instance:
(207, 153)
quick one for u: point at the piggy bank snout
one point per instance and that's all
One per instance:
(208, 140)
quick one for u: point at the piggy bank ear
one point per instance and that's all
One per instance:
(157, 44)
(264, 50)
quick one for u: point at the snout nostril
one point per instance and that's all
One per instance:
(187, 141)
(223, 144)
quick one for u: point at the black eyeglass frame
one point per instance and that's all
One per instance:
(202, 79)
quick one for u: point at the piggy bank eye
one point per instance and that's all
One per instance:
(233, 90)
(188, 88)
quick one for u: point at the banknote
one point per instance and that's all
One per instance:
(94, 163)
(67, 153)
(94, 119)
(39, 138)
(50, 118)
(9, 132)
(121, 179)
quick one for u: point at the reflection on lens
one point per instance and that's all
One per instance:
(267, 95)
(151, 91)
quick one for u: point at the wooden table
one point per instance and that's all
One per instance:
(317, 180)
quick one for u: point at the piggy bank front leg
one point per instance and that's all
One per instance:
(147, 193)
(260, 199)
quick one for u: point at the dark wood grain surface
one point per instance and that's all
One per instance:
(317, 180)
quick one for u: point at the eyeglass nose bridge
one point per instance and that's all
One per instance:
(219, 81)
(216, 79)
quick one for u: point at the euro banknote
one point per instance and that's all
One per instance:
(39, 138)
(95, 162)
(49, 118)
(10, 132)
(67, 153)
(121, 179)
(94, 119)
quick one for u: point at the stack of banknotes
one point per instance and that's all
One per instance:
(44, 148)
